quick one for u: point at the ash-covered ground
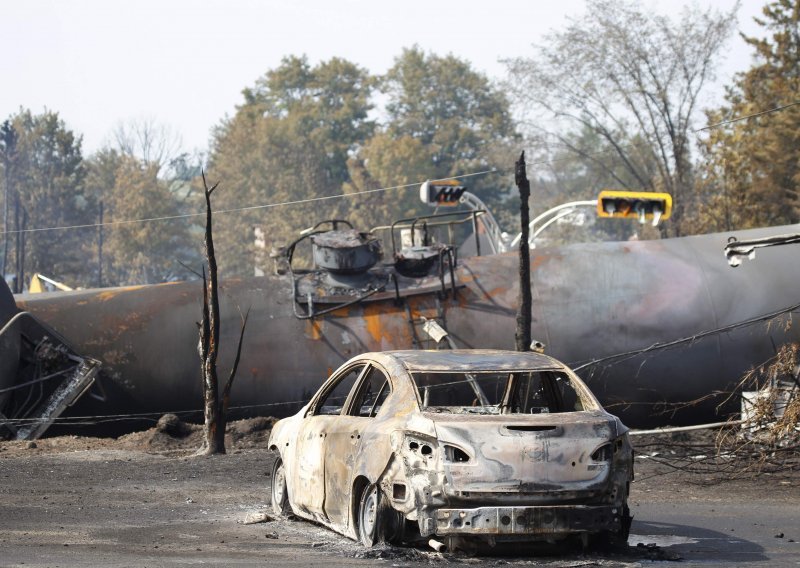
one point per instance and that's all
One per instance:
(145, 499)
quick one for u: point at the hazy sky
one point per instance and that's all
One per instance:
(184, 63)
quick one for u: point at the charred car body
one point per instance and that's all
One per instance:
(495, 445)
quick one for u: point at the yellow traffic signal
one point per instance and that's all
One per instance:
(445, 192)
(643, 205)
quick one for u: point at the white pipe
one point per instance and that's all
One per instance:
(684, 428)
(13, 320)
(571, 204)
(549, 222)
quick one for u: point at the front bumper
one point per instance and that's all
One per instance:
(535, 520)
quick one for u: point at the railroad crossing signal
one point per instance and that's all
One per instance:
(644, 205)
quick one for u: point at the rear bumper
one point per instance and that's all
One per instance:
(544, 521)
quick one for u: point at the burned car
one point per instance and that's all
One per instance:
(457, 444)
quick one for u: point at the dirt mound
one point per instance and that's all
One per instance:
(170, 436)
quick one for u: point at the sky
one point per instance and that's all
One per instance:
(183, 64)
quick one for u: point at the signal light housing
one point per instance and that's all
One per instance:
(644, 205)
(445, 192)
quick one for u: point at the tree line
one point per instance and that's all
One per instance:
(612, 100)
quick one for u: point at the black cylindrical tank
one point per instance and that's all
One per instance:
(590, 302)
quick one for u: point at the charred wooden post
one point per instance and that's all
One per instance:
(523, 334)
(215, 408)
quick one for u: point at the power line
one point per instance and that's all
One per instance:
(763, 112)
(239, 209)
(619, 357)
(153, 416)
(370, 191)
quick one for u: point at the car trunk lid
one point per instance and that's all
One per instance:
(541, 453)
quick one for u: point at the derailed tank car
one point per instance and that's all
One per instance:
(598, 305)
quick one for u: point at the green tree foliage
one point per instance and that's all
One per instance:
(443, 119)
(45, 190)
(384, 161)
(450, 108)
(136, 253)
(753, 170)
(289, 141)
(629, 76)
(306, 131)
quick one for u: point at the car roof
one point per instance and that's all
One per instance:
(468, 360)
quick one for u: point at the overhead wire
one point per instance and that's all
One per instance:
(700, 335)
(152, 416)
(754, 115)
(240, 209)
(358, 193)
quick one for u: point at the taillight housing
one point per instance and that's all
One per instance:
(606, 452)
(454, 454)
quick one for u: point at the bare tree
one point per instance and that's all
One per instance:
(629, 76)
(216, 405)
(145, 139)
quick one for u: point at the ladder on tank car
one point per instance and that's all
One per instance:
(429, 333)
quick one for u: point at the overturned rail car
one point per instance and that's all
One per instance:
(657, 329)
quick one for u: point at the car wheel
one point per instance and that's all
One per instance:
(619, 538)
(279, 497)
(377, 521)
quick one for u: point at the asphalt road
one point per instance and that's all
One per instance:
(722, 533)
(120, 508)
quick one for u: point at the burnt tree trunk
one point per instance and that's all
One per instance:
(523, 333)
(215, 407)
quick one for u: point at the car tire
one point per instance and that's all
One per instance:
(279, 494)
(620, 537)
(377, 521)
(611, 540)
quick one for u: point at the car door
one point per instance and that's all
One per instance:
(343, 441)
(320, 419)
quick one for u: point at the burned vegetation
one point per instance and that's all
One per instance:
(764, 439)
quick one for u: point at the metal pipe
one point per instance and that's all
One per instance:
(571, 204)
(549, 222)
(12, 321)
(685, 428)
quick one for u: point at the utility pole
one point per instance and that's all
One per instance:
(8, 143)
(100, 248)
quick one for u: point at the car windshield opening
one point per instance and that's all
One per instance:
(495, 392)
